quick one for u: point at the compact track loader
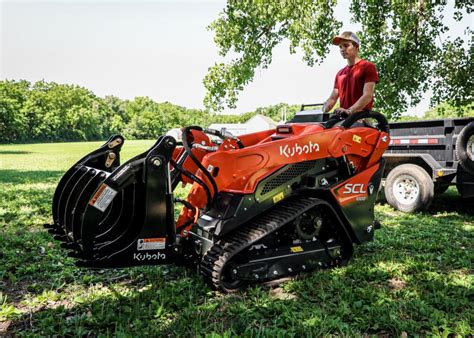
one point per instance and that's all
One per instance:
(262, 207)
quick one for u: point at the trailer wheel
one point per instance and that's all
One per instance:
(409, 188)
(465, 148)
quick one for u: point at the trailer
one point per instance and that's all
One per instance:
(424, 159)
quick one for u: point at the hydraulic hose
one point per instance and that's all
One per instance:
(187, 148)
(194, 178)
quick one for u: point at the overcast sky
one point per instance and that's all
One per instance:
(159, 49)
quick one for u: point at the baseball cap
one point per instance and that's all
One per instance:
(345, 36)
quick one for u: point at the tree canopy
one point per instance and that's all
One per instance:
(408, 41)
(48, 111)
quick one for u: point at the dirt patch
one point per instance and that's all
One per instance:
(396, 284)
(279, 293)
(4, 327)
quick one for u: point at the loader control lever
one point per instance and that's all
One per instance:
(348, 121)
(380, 118)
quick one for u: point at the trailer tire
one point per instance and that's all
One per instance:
(464, 142)
(409, 188)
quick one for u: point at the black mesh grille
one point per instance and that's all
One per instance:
(287, 175)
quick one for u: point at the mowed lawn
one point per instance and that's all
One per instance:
(415, 278)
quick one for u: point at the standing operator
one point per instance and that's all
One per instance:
(355, 83)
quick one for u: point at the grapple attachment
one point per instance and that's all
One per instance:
(112, 215)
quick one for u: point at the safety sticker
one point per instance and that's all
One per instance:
(278, 197)
(103, 197)
(151, 243)
(357, 138)
(296, 249)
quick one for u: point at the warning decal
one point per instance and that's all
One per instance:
(151, 243)
(103, 197)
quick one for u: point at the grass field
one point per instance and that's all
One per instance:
(415, 278)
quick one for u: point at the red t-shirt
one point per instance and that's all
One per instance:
(350, 82)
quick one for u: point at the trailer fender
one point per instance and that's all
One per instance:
(426, 161)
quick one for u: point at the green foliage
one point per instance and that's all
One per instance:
(445, 110)
(13, 123)
(252, 28)
(442, 111)
(401, 37)
(278, 112)
(414, 279)
(50, 112)
(47, 111)
(454, 82)
(55, 112)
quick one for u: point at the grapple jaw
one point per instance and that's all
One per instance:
(112, 215)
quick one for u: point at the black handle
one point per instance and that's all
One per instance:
(354, 117)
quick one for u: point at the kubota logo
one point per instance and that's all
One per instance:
(354, 189)
(296, 149)
(149, 257)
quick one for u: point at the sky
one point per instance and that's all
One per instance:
(159, 49)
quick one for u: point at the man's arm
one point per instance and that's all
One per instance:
(367, 95)
(331, 101)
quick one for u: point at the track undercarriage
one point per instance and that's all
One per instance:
(299, 236)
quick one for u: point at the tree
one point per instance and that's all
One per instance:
(13, 123)
(278, 112)
(401, 37)
(444, 110)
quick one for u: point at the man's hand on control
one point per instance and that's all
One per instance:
(342, 112)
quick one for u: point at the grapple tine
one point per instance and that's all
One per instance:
(74, 193)
(80, 203)
(99, 159)
(103, 214)
(106, 159)
(63, 192)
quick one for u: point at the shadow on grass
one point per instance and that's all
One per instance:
(14, 152)
(9, 176)
(400, 283)
(420, 249)
(451, 201)
(328, 302)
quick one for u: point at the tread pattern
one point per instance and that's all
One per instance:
(214, 261)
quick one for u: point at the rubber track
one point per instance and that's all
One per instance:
(214, 261)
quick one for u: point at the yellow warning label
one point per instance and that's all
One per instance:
(357, 138)
(296, 249)
(278, 197)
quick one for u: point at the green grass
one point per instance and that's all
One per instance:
(416, 277)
